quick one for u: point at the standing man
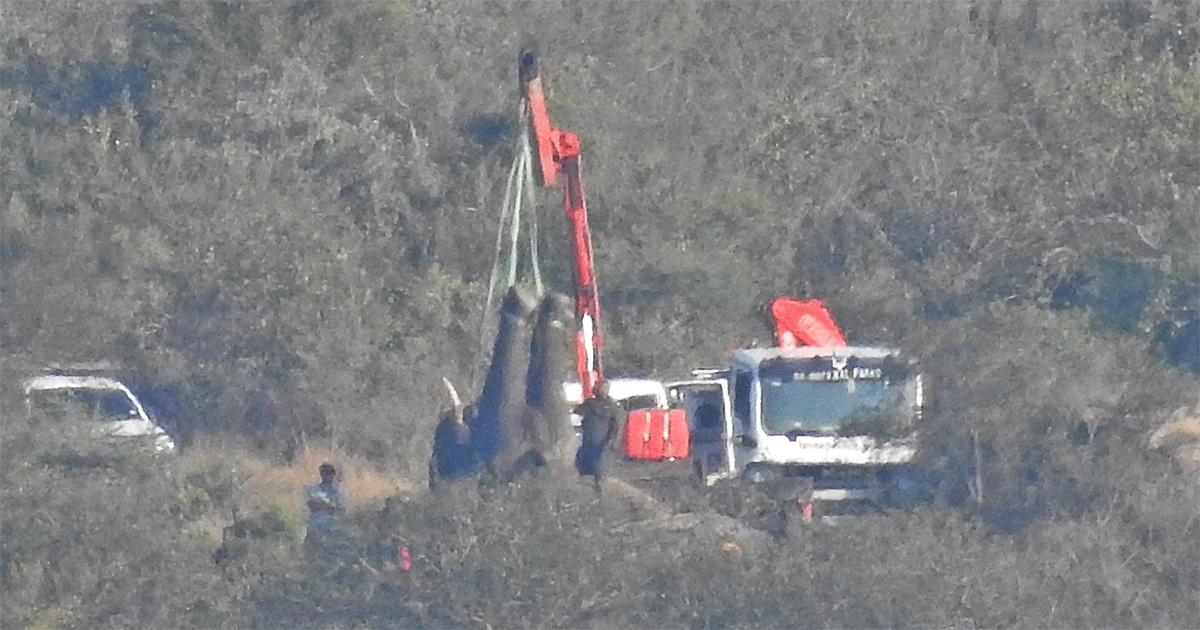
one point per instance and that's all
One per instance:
(600, 425)
(325, 504)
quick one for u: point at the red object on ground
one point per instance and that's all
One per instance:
(656, 434)
(805, 322)
(405, 563)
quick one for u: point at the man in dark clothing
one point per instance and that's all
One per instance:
(600, 424)
(454, 455)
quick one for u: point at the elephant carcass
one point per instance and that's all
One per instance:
(521, 419)
(547, 423)
(497, 428)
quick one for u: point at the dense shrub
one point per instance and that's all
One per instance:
(96, 535)
(279, 218)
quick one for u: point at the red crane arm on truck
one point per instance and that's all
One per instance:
(805, 322)
(558, 154)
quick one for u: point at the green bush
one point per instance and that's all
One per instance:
(281, 208)
(94, 537)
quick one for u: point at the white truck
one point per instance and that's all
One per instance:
(842, 417)
(630, 393)
(102, 400)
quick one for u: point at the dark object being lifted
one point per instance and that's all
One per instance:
(521, 420)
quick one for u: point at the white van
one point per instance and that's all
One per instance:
(106, 400)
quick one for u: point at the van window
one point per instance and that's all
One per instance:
(116, 406)
(648, 401)
(741, 397)
(58, 403)
(103, 406)
(708, 424)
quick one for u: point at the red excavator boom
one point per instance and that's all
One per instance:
(558, 154)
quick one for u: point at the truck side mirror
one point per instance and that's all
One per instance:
(748, 441)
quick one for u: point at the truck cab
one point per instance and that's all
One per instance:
(104, 402)
(840, 416)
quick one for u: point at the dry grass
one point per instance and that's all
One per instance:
(263, 482)
(1181, 428)
(1181, 434)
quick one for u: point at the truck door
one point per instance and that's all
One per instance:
(744, 440)
(706, 403)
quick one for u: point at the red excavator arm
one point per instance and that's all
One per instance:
(558, 154)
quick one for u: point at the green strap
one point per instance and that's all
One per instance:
(519, 208)
(531, 204)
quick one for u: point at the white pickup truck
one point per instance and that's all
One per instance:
(116, 411)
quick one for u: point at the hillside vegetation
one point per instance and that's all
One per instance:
(280, 217)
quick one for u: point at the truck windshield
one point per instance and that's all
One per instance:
(794, 405)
